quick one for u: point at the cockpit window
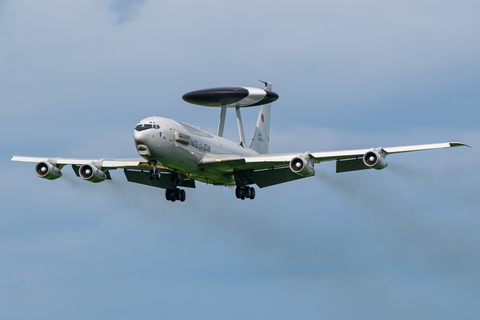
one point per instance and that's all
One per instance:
(141, 127)
(145, 126)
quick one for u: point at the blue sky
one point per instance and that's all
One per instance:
(76, 76)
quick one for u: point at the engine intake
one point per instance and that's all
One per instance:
(46, 170)
(375, 159)
(302, 164)
(91, 173)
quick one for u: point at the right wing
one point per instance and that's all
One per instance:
(270, 169)
(268, 161)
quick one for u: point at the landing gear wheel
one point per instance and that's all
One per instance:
(157, 175)
(252, 193)
(183, 195)
(248, 192)
(238, 192)
(151, 175)
(175, 194)
(245, 192)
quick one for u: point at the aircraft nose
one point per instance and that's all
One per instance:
(139, 137)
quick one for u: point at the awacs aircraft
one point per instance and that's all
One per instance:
(175, 154)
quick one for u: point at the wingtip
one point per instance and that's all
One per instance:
(458, 144)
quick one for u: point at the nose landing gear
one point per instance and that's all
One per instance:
(154, 173)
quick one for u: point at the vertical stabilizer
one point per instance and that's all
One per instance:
(261, 138)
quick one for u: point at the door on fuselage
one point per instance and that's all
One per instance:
(171, 132)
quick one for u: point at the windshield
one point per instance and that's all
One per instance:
(145, 126)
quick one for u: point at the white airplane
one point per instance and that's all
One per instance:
(175, 154)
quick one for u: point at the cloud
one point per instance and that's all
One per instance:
(125, 9)
(76, 77)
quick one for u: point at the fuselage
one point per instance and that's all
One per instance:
(180, 147)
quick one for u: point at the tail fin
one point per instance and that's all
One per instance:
(261, 138)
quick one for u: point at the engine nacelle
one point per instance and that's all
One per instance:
(302, 164)
(46, 170)
(91, 173)
(375, 159)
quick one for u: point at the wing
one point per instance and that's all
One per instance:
(270, 169)
(136, 170)
(107, 164)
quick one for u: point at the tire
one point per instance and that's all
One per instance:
(183, 195)
(168, 195)
(237, 192)
(151, 175)
(157, 175)
(252, 193)
(248, 192)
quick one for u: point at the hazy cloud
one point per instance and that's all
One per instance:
(125, 9)
(397, 243)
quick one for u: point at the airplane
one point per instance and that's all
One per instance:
(174, 154)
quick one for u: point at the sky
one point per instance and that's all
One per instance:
(400, 243)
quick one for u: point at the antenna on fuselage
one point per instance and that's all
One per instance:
(268, 85)
(221, 124)
(232, 97)
(240, 126)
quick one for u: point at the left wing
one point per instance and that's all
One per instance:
(269, 169)
(97, 170)
(109, 164)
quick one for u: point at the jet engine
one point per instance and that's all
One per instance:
(46, 170)
(375, 159)
(91, 173)
(302, 164)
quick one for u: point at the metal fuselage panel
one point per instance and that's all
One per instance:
(181, 147)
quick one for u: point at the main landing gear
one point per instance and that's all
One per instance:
(245, 192)
(175, 194)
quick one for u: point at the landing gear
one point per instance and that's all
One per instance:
(245, 192)
(154, 173)
(175, 194)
